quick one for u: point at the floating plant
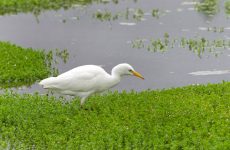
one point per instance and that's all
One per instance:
(227, 7)
(135, 14)
(106, 15)
(139, 43)
(36, 6)
(138, 14)
(156, 13)
(216, 29)
(63, 54)
(208, 7)
(199, 45)
(103, 16)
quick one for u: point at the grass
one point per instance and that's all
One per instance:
(22, 66)
(192, 117)
(36, 6)
(208, 7)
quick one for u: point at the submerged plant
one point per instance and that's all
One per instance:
(103, 16)
(37, 6)
(138, 14)
(227, 7)
(208, 7)
(139, 43)
(106, 15)
(63, 54)
(216, 29)
(155, 13)
(197, 45)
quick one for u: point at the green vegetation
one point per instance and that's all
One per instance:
(216, 29)
(199, 45)
(20, 66)
(192, 117)
(105, 16)
(137, 15)
(24, 66)
(63, 54)
(36, 6)
(208, 7)
(156, 13)
(227, 7)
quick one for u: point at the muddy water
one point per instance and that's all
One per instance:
(90, 41)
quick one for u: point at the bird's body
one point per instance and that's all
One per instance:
(86, 80)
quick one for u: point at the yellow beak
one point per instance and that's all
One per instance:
(137, 74)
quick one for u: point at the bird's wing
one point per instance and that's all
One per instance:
(81, 83)
(79, 79)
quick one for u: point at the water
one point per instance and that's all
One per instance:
(90, 41)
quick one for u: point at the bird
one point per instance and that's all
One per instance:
(83, 81)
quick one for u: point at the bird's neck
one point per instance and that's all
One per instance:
(115, 78)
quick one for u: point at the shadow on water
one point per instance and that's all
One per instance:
(107, 42)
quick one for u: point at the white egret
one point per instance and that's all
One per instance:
(86, 80)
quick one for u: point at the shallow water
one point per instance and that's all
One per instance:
(90, 41)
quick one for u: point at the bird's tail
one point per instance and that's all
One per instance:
(47, 83)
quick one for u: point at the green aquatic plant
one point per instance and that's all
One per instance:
(138, 14)
(216, 29)
(156, 13)
(105, 16)
(159, 44)
(37, 6)
(201, 45)
(192, 117)
(208, 7)
(135, 14)
(227, 7)
(139, 43)
(197, 45)
(63, 54)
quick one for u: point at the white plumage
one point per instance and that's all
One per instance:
(85, 80)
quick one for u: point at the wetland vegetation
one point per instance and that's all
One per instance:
(198, 45)
(227, 7)
(22, 66)
(37, 6)
(208, 7)
(128, 14)
(191, 117)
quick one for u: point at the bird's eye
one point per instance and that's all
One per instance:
(130, 70)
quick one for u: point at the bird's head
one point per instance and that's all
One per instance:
(126, 69)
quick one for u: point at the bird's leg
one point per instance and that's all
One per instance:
(82, 101)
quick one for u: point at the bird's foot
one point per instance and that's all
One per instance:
(84, 108)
